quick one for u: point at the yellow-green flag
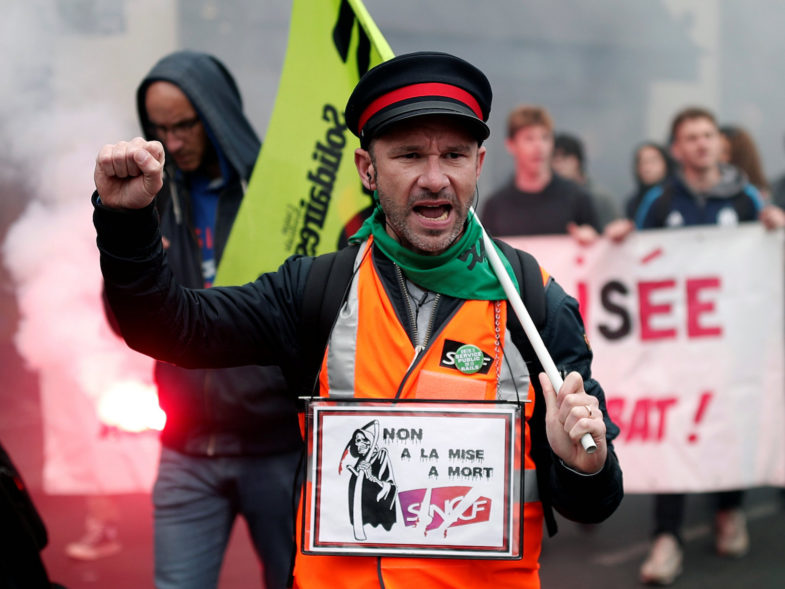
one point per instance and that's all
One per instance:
(304, 195)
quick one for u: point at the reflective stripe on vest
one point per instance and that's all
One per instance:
(343, 341)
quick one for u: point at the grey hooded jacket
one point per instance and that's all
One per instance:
(235, 411)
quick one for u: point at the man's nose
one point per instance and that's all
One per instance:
(433, 177)
(172, 142)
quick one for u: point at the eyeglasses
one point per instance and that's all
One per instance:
(180, 130)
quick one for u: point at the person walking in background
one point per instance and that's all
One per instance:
(101, 536)
(703, 191)
(421, 119)
(536, 201)
(569, 161)
(738, 149)
(232, 442)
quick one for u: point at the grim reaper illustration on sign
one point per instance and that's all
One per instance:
(372, 488)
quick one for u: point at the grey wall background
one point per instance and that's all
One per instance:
(611, 71)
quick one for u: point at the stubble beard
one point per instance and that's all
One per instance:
(425, 242)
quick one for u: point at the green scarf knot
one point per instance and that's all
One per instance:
(462, 271)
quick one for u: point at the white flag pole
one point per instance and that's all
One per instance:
(526, 321)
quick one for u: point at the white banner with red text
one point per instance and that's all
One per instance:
(686, 327)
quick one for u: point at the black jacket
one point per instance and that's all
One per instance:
(261, 322)
(236, 411)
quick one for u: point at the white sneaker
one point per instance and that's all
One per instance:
(663, 564)
(99, 541)
(731, 533)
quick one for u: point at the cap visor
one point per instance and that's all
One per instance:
(382, 121)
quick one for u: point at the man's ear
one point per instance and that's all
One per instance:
(480, 160)
(364, 165)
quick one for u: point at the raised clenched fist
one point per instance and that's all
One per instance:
(129, 174)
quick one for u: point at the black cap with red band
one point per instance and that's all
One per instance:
(419, 84)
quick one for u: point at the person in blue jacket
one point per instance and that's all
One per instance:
(702, 191)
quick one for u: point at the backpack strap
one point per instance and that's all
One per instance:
(527, 272)
(530, 278)
(662, 206)
(656, 203)
(325, 289)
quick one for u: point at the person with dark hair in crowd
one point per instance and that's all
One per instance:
(232, 441)
(651, 165)
(703, 191)
(536, 201)
(739, 149)
(569, 161)
(412, 288)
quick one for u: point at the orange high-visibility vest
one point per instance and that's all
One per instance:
(369, 355)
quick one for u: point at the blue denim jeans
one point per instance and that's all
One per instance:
(196, 501)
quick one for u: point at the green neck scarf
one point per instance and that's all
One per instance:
(462, 271)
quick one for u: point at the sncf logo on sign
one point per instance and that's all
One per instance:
(444, 507)
(465, 358)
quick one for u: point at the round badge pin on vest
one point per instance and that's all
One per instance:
(468, 359)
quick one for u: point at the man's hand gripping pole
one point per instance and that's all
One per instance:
(528, 325)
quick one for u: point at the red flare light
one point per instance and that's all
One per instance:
(131, 406)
